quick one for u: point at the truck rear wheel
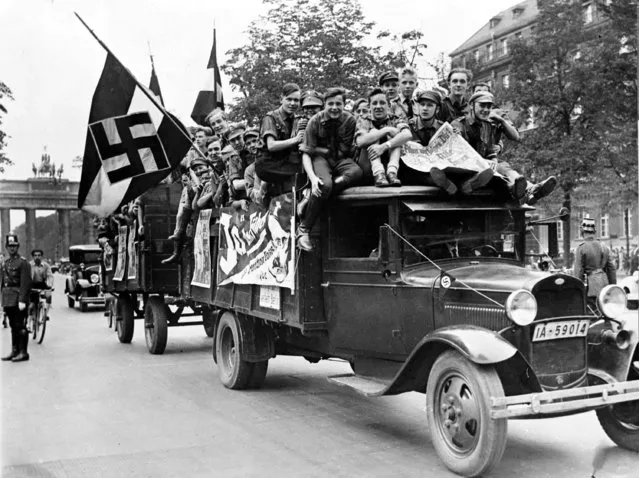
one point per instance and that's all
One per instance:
(466, 438)
(124, 319)
(234, 372)
(156, 318)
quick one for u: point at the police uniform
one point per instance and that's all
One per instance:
(593, 263)
(15, 283)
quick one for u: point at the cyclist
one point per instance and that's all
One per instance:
(41, 278)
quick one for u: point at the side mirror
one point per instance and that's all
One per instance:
(384, 256)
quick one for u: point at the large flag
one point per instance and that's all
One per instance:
(210, 96)
(131, 144)
(154, 84)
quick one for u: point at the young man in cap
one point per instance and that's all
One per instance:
(41, 277)
(327, 156)
(407, 85)
(482, 127)
(593, 263)
(455, 105)
(251, 144)
(15, 283)
(389, 83)
(235, 136)
(379, 140)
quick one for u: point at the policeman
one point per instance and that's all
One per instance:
(593, 263)
(15, 283)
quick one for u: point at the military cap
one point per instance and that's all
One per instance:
(236, 129)
(588, 225)
(429, 95)
(11, 240)
(482, 97)
(228, 150)
(198, 161)
(312, 98)
(388, 76)
(251, 133)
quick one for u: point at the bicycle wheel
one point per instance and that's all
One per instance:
(40, 325)
(32, 324)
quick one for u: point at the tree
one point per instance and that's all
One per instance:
(5, 91)
(572, 81)
(315, 43)
(408, 48)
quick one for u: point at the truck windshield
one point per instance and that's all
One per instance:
(463, 234)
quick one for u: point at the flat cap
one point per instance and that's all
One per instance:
(388, 76)
(482, 97)
(429, 95)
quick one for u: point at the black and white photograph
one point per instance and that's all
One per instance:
(319, 238)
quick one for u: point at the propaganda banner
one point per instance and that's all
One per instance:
(447, 151)
(108, 257)
(202, 250)
(120, 266)
(132, 267)
(257, 246)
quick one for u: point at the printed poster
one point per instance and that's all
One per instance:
(202, 250)
(447, 151)
(121, 264)
(108, 257)
(132, 267)
(257, 246)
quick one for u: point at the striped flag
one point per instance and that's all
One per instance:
(210, 97)
(154, 84)
(131, 144)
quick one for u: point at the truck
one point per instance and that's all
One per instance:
(418, 293)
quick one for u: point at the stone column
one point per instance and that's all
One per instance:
(88, 230)
(65, 231)
(5, 223)
(30, 222)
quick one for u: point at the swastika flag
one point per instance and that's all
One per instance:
(131, 144)
(210, 96)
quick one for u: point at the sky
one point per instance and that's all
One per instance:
(52, 63)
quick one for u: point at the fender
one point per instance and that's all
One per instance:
(85, 284)
(257, 339)
(479, 345)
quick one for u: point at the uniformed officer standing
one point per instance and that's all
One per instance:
(593, 263)
(15, 283)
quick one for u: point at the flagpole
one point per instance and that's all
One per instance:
(144, 90)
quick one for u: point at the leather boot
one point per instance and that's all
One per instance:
(540, 190)
(479, 180)
(177, 252)
(14, 347)
(393, 179)
(381, 181)
(517, 184)
(178, 237)
(23, 342)
(441, 180)
(303, 232)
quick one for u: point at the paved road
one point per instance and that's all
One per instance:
(87, 406)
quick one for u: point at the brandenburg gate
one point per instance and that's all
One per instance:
(47, 190)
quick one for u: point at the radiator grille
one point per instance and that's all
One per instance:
(557, 302)
(493, 318)
(559, 362)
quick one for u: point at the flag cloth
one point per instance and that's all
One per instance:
(210, 96)
(131, 144)
(154, 85)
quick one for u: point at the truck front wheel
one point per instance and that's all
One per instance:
(234, 372)
(466, 438)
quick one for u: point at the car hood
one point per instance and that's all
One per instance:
(496, 276)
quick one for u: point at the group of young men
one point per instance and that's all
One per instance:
(315, 142)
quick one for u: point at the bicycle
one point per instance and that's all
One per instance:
(38, 319)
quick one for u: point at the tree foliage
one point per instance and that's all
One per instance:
(315, 43)
(5, 92)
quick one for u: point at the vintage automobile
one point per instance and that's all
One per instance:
(630, 285)
(83, 283)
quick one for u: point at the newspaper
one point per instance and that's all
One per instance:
(202, 250)
(120, 266)
(132, 266)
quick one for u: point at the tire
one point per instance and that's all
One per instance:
(208, 320)
(621, 422)
(70, 302)
(125, 319)
(233, 371)
(466, 439)
(156, 318)
(256, 380)
(40, 325)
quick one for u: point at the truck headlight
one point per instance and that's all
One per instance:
(612, 301)
(95, 278)
(521, 307)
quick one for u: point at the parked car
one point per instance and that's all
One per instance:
(630, 285)
(83, 284)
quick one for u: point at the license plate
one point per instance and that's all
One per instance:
(561, 330)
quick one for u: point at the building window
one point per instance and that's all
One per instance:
(504, 47)
(627, 222)
(518, 36)
(582, 215)
(517, 12)
(604, 222)
(560, 230)
(505, 81)
(491, 51)
(587, 11)
(476, 54)
(494, 22)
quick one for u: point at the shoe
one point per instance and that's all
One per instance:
(381, 181)
(541, 190)
(441, 181)
(23, 341)
(177, 252)
(304, 241)
(479, 180)
(393, 179)
(518, 188)
(14, 347)
(301, 206)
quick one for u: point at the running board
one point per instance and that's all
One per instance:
(370, 387)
